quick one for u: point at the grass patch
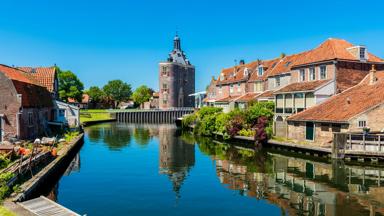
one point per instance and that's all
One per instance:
(5, 212)
(94, 115)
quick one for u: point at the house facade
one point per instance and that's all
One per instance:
(25, 105)
(352, 110)
(176, 79)
(65, 114)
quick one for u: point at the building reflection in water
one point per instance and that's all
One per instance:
(299, 186)
(176, 157)
(74, 166)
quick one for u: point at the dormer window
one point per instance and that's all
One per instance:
(221, 76)
(312, 74)
(260, 71)
(362, 53)
(246, 72)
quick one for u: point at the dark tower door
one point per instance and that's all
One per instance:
(309, 131)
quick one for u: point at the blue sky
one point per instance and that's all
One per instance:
(116, 39)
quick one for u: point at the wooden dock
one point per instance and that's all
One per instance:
(43, 206)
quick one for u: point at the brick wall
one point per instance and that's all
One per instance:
(374, 119)
(9, 107)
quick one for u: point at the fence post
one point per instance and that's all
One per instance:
(364, 142)
(379, 139)
(350, 141)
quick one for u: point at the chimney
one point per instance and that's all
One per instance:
(242, 62)
(372, 75)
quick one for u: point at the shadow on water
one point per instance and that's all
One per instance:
(296, 185)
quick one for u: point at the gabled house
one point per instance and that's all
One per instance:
(350, 111)
(210, 99)
(25, 105)
(303, 80)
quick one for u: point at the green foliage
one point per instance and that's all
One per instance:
(207, 111)
(95, 94)
(247, 132)
(221, 123)
(4, 189)
(117, 91)
(259, 109)
(69, 86)
(69, 136)
(142, 94)
(188, 120)
(207, 125)
(4, 162)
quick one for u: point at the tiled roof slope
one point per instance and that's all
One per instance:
(285, 64)
(332, 49)
(268, 66)
(44, 75)
(302, 86)
(346, 105)
(247, 97)
(33, 95)
(266, 94)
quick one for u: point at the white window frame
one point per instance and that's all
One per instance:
(302, 75)
(321, 71)
(238, 87)
(260, 70)
(277, 81)
(231, 88)
(220, 90)
(312, 73)
(362, 123)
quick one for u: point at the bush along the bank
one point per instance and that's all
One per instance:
(254, 121)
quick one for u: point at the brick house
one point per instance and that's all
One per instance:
(350, 111)
(45, 76)
(303, 80)
(25, 106)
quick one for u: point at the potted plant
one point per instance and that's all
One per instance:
(366, 130)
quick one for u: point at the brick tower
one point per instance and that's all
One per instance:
(176, 79)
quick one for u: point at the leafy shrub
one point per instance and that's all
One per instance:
(207, 125)
(69, 136)
(222, 120)
(259, 109)
(208, 111)
(235, 125)
(4, 189)
(261, 134)
(188, 120)
(247, 132)
(4, 162)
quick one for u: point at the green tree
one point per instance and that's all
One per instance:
(95, 94)
(70, 86)
(142, 94)
(117, 91)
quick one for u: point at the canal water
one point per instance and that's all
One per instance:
(126, 169)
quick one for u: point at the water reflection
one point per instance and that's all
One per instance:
(176, 157)
(298, 186)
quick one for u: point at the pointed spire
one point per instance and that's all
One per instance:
(176, 42)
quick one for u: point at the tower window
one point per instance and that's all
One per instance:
(164, 70)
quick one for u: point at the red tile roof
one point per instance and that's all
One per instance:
(32, 94)
(85, 99)
(44, 75)
(346, 105)
(268, 66)
(247, 97)
(302, 86)
(285, 64)
(332, 49)
(227, 99)
(265, 94)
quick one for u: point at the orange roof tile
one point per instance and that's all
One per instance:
(227, 99)
(302, 86)
(285, 64)
(247, 97)
(32, 94)
(346, 105)
(44, 75)
(332, 49)
(265, 94)
(268, 66)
